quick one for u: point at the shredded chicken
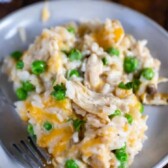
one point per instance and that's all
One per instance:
(94, 69)
(93, 102)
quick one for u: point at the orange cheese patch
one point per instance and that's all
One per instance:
(65, 140)
(40, 115)
(46, 138)
(118, 33)
(107, 37)
(55, 63)
(90, 144)
(65, 105)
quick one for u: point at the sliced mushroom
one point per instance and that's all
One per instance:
(151, 89)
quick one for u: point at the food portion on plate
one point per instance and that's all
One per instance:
(81, 87)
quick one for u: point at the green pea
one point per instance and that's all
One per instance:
(20, 64)
(71, 30)
(105, 61)
(30, 130)
(126, 86)
(73, 72)
(16, 55)
(75, 55)
(47, 126)
(130, 64)
(148, 73)
(58, 95)
(78, 124)
(59, 92)
(121, 85)
(21, 94)
(142, 108)
(27, 86)
(38, 67)
(71, 164)
(129, 118)
(121, 154)
(113, 51)
(136, 85)
(116, 113)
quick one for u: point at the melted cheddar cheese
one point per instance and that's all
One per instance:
(66, 133)
(106, 37)
(55, 63)
(40, 115)
(90, 144)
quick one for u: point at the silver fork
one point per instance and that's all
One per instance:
(16, 141)
(14, 137)
(32, 154)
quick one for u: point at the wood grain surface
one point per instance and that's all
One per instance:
(155, 9)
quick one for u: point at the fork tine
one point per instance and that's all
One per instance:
(24, 156)
(32, 154)
(26, 152)
(43, 155)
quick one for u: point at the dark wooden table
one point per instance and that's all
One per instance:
(155, 9)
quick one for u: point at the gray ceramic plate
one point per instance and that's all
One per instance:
(156, 147)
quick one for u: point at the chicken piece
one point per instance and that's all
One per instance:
(94, 69)
(47, 48)
(101, 159)
(93, 102)
(78, 110)
(97, 161)
(144, 55)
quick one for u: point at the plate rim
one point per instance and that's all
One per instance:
(153, 23)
